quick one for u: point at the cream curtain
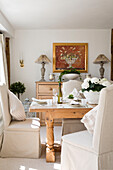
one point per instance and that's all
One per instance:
(3, 62)
(3, 79)
(1, 127)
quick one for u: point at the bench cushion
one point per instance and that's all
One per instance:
(24, 126)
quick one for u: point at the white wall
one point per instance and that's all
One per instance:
(32, 43)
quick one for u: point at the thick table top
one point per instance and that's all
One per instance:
(58, 106)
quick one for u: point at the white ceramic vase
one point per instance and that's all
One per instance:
(92, 97)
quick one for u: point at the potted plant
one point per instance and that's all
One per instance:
(72, 72)
(91, 88)
(17, 88)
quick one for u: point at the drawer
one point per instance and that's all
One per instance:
(47, 88)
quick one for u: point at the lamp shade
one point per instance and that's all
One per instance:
(43, 59)
(101, 59)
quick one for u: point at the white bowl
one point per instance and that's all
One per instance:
(70, 76)
(92, 96)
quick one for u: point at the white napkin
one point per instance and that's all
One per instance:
(39, 101)
(33, 103)
(75, 94)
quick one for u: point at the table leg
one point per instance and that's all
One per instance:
(50, 153)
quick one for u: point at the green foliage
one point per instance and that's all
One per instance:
(17, 88)
(71, 96)
(94, 87)
(71, 70)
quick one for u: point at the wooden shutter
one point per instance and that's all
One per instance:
(7, 48)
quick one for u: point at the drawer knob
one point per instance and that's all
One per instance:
(50, 88)
(74, 112)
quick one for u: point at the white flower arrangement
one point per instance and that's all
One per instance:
(85, 85)
(94, 84)
(95, 80)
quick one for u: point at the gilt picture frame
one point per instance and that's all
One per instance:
(70, 55)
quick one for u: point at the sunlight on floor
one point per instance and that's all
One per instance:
(23, 168)
(57, 166)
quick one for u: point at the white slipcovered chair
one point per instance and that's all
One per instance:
(84, 151)
(21, 138)
(71, 125)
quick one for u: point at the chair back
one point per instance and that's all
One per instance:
(103, 133)
(68, 87)
(5, 105)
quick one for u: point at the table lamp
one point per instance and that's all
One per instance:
(101, 59)
(43, 59)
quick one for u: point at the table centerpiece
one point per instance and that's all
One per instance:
(70, 74)
(91, 88)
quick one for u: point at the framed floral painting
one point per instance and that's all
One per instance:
(70, 55)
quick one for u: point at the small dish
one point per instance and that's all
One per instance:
(74, 103)
(77, 100)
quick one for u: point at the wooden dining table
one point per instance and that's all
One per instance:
(58, 111)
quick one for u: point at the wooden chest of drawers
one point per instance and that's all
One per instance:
(44, 90)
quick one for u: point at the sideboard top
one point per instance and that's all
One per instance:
(46, 82)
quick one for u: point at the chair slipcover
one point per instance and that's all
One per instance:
(21, 138)
(68, 87)
(71, 125)
(83, 151)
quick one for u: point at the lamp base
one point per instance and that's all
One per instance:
(42, 72)
(101, 70)
(42, 80)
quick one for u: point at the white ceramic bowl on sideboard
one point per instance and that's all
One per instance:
(70, 76)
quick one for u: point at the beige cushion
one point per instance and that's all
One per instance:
(80, 139)
(25, 126)
(16, 107)
(89, 119)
